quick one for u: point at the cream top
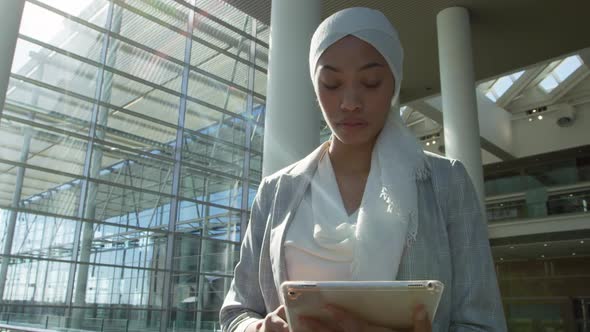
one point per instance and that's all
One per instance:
(319, 244)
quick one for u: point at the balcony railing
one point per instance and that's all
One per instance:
(540, 202)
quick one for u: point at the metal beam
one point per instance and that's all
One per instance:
(84, 231)
(16, 198)
(176, 178)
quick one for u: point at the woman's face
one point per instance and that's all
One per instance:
(354, 86)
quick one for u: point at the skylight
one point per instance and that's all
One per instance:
(560, 73)
(501, 85)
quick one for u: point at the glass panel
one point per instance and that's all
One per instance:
(505, 211)
(225, 159)
(93, 11)
(197, 183)
(142, 99)
(221, 36)
(109, 285)
(260, 79)
(133, 170)
(124, 205)
(43, 237)
(214, 93)
(7, 185)
(223, 66)
(516, 75)
(503, 183)
(263, 32)
(124, 130)
(569, 203)
(491, 96)
(213, 221)
(219, 257)
(567, 67)
(36, 280)
(549, 83)
(502, 85)
(227, 13)
(57, 70)
(50, 150)
(144, 65)
(153, 35)
(56, 30)
(167, 11)
(27, 100)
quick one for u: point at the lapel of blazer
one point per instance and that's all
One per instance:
(289, 192)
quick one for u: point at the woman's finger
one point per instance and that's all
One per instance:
(282, 313)
(275, 323)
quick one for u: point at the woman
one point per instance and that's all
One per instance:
(367, 205)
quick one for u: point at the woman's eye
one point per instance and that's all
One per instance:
(372, 85)
(331, 87)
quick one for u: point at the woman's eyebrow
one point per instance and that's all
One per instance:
(370, 65)
(328, 67)
(364, 67)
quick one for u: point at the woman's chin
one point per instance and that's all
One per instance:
(354, 139)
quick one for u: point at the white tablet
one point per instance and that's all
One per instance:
(388, 304)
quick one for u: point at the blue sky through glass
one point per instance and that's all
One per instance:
(567, 67)
(563, 70)
(503, 84)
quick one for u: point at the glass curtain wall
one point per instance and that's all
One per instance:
(130, 152)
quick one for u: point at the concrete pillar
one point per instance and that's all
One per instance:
(292, 122)
(10, 16)
(461, 126)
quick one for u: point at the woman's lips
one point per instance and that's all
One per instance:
(352, 124)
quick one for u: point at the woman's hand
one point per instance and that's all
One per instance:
(275, 321)
(347, 322)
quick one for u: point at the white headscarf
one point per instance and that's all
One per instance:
(387, 220)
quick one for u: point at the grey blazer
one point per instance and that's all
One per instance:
(452, 246)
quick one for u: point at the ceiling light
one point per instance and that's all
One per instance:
(433, 142)
(427, 143)
(544, 245)
(542, 256)
(582, 242)
(573, 253)
(530, 119)
(503, 258)
(540, 117)
(511, 247)
(535, 111)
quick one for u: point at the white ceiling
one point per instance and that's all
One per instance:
(507, 34)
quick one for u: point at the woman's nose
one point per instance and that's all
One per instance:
(350, 100)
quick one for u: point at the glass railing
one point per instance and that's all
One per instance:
(519, 180)
(543, 203)
(538, 186)
(69, 324)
